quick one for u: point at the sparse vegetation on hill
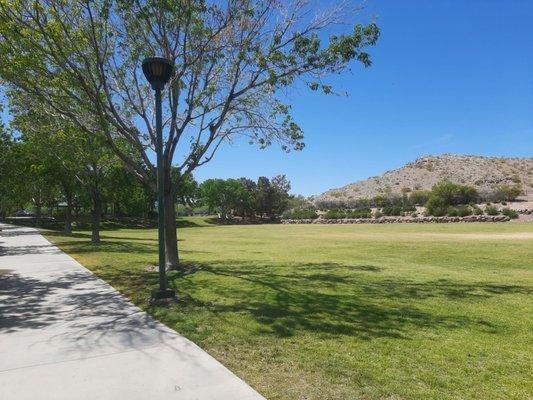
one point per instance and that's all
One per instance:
(506, 178)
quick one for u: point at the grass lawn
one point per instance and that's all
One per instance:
(344, 311)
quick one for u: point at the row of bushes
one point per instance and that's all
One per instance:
(464, 210)
(341, 214)
(461, 210)
(300, 214)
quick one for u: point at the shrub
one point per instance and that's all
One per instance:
(300, 214)
(446, 195)
(491, 210)
(380, 201)
(436, 206)
(419, 197)
(408, 207)
(392, 210)
(463, 210)
(363, 212)
(503, 193)
(453, 194)
(341, 214)
(476, 209)
(335, 214)
(510, 213)
(452, 212)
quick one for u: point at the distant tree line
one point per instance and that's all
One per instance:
(264, 199)
(52, 175)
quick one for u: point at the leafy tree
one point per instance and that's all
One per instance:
(11, 197)
(453, 193)
(419, 197)
(58, 153)
(186, 188)
(445, 194)
(506, 193)
(248, 207)
(224, 196)
(83, 59)
(272, 197)
(125, 193)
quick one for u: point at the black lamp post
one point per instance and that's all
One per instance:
(158, 71)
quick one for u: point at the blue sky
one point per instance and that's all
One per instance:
(448, 77)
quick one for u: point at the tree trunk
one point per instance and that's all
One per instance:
(68, 215)
(171, 236)
(96, 215)
(38, 213)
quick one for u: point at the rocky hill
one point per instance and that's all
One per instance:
(484, 173)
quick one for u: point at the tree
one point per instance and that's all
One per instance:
(225, 196)
(506, 192)
(10, 196)
(445, 194)
(186, 188)
(272, 196)
(125, 194)
(247, 208)
(453, 193)
(281, 186)
(230, 60)
(58, 153)
(419, 197)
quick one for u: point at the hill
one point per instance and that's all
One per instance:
(483, 173)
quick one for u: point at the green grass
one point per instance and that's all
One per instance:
(344, 311)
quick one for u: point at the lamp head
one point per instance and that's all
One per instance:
(157, 71)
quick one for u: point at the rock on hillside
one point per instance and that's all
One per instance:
(484, 173)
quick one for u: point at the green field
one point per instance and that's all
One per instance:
(316, 312)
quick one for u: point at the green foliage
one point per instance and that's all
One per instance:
(272, 196)
(335, 214)
(510, 213)
(419, 197)
(476, 210)
(394, 205)
(392, 210)
(491, 210)
(453, 194)
(445, 194)
(300, 214)
(462, 210)
(363, 212)
(506, 193)
(186, 188)
(224, 196)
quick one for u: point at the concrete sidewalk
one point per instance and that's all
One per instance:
(65, 334)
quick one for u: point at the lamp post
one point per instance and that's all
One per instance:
(158, 71)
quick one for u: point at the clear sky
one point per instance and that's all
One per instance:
(448, 77)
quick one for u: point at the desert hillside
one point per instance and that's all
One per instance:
(484, 173)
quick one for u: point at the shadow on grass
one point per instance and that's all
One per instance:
(305, 298)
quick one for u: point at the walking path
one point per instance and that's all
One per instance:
(65, 334)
